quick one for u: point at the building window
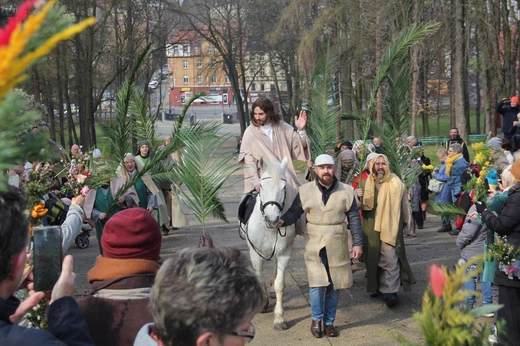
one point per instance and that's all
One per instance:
(199, 63)
(196, 49)
(272, 87)
(213, 78)
(175, 50)
(213, 63)
(215, 50)
(253, 87)
(186, 79)
(262, 71)
(252, 72)
(262, 87)
(227, 79)
(199, 79)
(210, 49)
(261, 57)
(185, 64)
(186, 49)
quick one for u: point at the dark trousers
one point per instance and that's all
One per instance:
(418, 218)
(510, 312)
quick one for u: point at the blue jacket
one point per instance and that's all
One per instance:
(459, 166)
(443, 197)
(67, 326)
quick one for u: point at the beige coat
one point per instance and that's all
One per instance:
(286, 142)
(326, 228)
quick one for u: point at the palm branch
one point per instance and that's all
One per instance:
(324, 111)
(394, 75)
(203, 173)
(14, 117)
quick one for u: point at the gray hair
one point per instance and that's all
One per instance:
(411, 138)
(203, 289)
(456, 147)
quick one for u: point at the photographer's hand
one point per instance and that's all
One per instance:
(65, 285)
(33, 299)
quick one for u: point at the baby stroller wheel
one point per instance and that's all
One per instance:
(82, 240)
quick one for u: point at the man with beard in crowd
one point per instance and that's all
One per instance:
(455, 138)
(327, 203)
(385, 213)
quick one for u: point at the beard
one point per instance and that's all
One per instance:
(380, 174)
(325, 179)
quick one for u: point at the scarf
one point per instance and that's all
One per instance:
(111, 268)
(389, 199)
(449, 162)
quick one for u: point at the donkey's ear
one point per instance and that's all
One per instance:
(284, 163)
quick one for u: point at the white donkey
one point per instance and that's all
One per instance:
(265, 241)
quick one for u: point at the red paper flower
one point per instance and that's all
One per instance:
(437, 280)
(14, 21)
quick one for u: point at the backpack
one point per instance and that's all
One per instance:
(57, 210)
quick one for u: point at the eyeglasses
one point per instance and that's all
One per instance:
(250, 334)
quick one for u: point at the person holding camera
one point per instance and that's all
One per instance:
(66, 324)
(508, 108)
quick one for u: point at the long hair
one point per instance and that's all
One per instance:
(268, 107)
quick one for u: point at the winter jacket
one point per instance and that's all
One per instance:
(116, 309)
(67, 326)
(506, 223)
(443, 197)
(471, 238)
(459, 166)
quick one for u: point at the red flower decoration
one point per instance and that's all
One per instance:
(14, 21)
(437, 280)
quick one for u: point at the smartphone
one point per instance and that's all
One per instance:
(48, 257)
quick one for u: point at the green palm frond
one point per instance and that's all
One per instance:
(144, 124)
(119, 131)
(204, 172)
(324, 111)
(448, 209)
(394, 75)
(187, 105)
(14, 119)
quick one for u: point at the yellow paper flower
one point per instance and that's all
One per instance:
(13, 63)
(427, 167)
(478, 146)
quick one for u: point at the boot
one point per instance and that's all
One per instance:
(445, 228)
(316, 329)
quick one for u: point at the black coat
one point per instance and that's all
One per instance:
(508, 116)
(507, 223)
(67, 326)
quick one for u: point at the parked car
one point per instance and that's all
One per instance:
(153, 84)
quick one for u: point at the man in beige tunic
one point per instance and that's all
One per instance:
(327, 204)
(270, 138)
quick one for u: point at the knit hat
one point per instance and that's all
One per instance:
(494, 143)
(514, 99)
(515, 169)
(132, 234)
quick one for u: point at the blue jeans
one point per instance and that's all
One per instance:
(324, 300)
(487, 293)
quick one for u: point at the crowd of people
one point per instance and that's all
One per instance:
(346, 212)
